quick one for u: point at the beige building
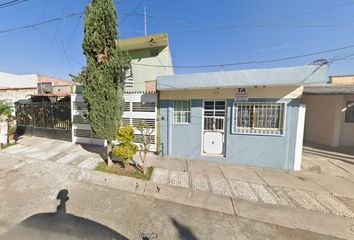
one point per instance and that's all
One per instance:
(15, 87)
(330, 112)
(150, 57)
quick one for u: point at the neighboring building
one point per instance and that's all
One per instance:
(15, 87)
(148, 54)
(252, 117)
(330, 112)
(18, 87)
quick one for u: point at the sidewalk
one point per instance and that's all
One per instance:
(305, 190)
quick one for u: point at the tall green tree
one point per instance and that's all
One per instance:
(103, 77)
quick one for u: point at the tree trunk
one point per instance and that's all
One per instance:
(144, 163)
(109, 160)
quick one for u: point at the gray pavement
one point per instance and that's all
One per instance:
(311, 200)
(50, 200)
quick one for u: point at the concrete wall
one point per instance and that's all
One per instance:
(322, 122)
(148, 73)
(269, 151)
(341, 80)
(347, 129)
(15, 95)
(325, 120)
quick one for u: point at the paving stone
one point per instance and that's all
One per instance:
(63, 146)
(35, 155)
(219, 186)
(161, 176)
(281, 197)
(79, 159)
(179, 179)
(333, 204)
(47, 155)
(200, 182)
(242, 190)
(67, 158)
(264, 193)
(90, 163)
(306, 201)
(15, 149)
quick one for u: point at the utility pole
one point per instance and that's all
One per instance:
(145, 21)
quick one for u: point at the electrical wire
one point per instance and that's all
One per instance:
(42, 23)
(11, 3)
(249, 62)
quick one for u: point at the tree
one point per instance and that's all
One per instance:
(5, 109)
(103, 77)
(145, 142)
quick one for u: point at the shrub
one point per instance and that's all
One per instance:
(126, 148)
(5, 108)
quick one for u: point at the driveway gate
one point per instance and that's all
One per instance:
(44, 119)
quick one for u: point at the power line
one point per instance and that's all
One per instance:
(42, 23)
(249, 62)
(214, 27)
(11, 3)
(133, 12)
(59, 47)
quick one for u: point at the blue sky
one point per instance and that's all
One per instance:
(196, 31)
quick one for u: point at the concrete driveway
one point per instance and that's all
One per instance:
(328, 160)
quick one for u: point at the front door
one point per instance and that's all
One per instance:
(214, 127)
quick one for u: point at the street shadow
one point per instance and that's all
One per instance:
(100, 150)
(60, 225)
(185, 232)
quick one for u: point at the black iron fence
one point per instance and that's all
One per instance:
(44, 119)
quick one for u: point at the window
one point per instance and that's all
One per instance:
(129, 79)
(349, 113)
(144, 106)
(127, 107)
(259, 118)
(182, 111)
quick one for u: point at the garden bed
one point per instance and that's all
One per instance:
(129, 171)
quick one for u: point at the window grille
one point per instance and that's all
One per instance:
(129, 80)
(127, 107)
(125, 121)
(259, 118)
(214, 115)
(80, 119)
(144, 107)
(349, 113)
(150, 122)
(139, 136)
(82, 133)
(182, 111)
(79, 105)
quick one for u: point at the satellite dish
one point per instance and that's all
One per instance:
(321, 61)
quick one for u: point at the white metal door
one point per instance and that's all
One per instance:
(214, 127)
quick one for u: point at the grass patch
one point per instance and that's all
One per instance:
(7, 145)
(129, 171)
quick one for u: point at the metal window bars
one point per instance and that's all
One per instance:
(259, 118)
(349, 112)
(181, 111)
(214, 115)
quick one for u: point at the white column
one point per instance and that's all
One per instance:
(299, 138)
